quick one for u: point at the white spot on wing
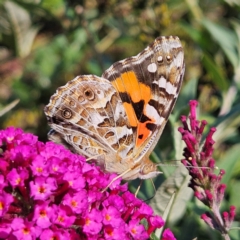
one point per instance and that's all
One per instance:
(152, 68)
(171, 89)
(160, 59)
(162, 83)
(153, 114)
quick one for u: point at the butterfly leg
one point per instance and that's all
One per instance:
(139, 186)
(114, 179)
(94, 157)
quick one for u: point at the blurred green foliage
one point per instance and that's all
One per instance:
(44, 44)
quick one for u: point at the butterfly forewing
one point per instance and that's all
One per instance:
(148, 85)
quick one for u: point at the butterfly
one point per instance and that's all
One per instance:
(119, 117)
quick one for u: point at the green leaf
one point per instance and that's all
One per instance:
(229, 163)
(9, 107)
(176, 184)
(234, 193)
(21, 26)
(216, 72)
(227, 125)
(193, 32)
(226, 38)
(187, 93)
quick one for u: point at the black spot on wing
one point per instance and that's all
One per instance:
(151, 126)
(138, 108)
(55, 119)
(125, 97)
(154, 103)
(157, 105)
(140, 136)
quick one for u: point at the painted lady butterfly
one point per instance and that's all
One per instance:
(119, 117)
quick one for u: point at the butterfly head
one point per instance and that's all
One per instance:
(148, 170)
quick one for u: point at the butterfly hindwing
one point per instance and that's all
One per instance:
(89, 114)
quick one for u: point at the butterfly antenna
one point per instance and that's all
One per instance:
(191, 166)
(199, 167)
(176, 165)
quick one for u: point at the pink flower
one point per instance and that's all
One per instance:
(137, 230)
(5, 231)
(40, 166)
(76, 201)
(56, 233)
(42, 214)
(168, 235)
(115, 233)
(74, 180)
(49, 192)
(199, 161)
(154, 222)
(5, 201)
(22, 229)
(111, 216)
(62, 216)
(92, 222)
(17, 178)
(42, 188)
(143, 212)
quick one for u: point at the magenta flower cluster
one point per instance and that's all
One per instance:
(46, 192)
(199, 161)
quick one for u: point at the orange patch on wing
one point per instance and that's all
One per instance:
(129, 83)
(138, 91)
(131, 114)
(144, 132)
